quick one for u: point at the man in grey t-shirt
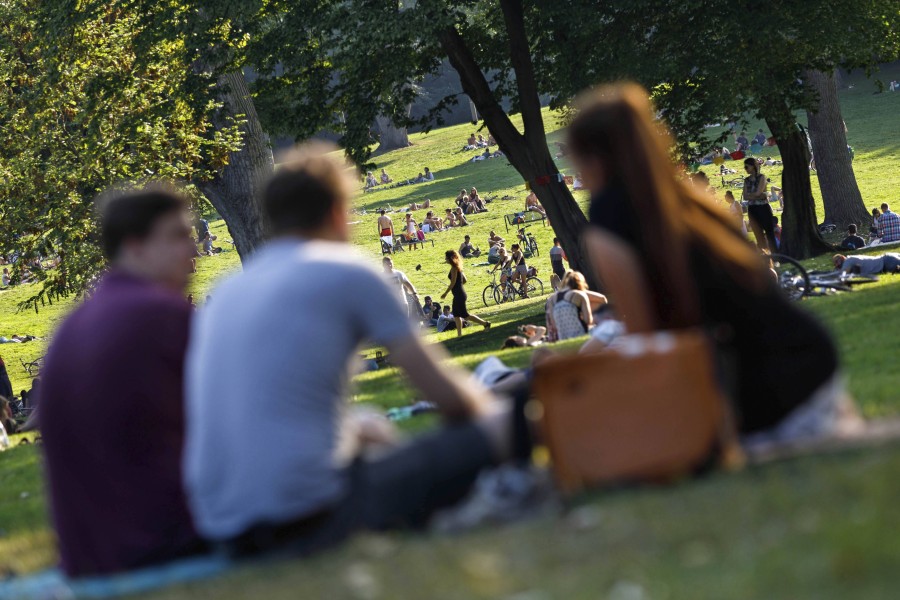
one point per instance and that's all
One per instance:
(867, 265)
(273, 456)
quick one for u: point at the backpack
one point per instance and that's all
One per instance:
(567, 317)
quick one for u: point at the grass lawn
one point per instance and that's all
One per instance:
(817, 527)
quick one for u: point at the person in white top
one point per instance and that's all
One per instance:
(274, 458)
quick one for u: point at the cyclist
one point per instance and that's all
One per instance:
(521, 269)
(505, 266)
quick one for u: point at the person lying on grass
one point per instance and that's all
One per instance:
(111, 403)
(275, 459)
(867, 265)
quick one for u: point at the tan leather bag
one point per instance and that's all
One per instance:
(646, 410)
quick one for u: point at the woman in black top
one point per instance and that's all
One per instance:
(671, 259)
(457, 280)
(758, 209)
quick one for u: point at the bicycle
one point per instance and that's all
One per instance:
(529, 243)
(488, 291)
(508, 292)
(33, 368)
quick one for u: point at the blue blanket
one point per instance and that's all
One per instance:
(53, 585)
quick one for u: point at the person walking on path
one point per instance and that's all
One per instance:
(457, 281)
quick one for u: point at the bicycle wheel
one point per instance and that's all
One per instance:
(499, 294)
(488, 293)
(792, 277)
(534, 286)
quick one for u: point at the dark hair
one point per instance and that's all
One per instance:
(851, 229)
(514, 341)
(555, 240)
(751, 161)
(616, 125)
(132, 214)
(382, 212)
(305, 189)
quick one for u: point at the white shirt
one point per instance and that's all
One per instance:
(266, 375)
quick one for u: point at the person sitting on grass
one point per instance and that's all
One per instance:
(461, 220)
(467, 250)
(494, 239)
(385, 178)
(472, 142)
(577, 184)
(112, 389)
(888, 225)
(435, 223)
(5, 279)
(370, 180)
(867, 265)
(429, 176)
(445, 320)
(568, 311)
(428, 310)
(208, 248)
(462, 197)
(450, 219)
(853, 241)
(293, 470)
(533, 204)
(476, 201)
(760, 138)
(491, 141)
(672, 261)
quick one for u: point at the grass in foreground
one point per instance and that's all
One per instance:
(818, 527)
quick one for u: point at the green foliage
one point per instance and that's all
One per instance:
(80, 112)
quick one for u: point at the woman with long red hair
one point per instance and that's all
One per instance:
(671, 259)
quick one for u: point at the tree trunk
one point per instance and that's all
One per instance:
(234, 190)
(528, 153)
(800, 237)
(840, 193)
(390, 137)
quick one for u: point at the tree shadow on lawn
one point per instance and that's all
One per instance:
(444, 189)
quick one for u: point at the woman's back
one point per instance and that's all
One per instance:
(566, 315)
(780, 353)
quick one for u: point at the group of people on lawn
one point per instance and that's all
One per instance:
(371, 181)
(169, 431)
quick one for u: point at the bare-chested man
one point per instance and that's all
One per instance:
(385, 225)
(532, 203)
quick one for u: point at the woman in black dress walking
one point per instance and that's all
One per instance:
(457, 280)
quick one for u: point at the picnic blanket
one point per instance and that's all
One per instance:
(53, 585)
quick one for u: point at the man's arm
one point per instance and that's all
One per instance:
(456, 395)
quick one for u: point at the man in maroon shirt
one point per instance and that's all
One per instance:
(111, 401)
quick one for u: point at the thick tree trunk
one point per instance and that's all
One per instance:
(840, 192)
(234, 190)
(800, 237)
(528, 153)
(390, 137)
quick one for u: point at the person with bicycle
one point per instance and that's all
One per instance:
(505, 266)
(758, 208)
(520, 274)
